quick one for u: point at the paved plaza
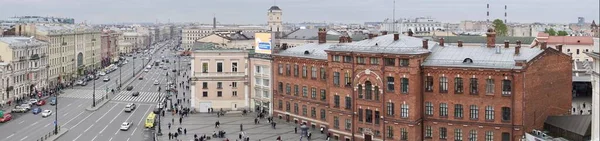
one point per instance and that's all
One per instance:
(205, 124)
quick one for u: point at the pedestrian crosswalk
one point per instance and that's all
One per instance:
(150, 97)
(82, 93)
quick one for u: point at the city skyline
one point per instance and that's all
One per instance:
(334, 11)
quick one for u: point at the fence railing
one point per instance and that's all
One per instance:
(49, 134)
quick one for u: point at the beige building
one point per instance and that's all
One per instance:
(220, 78)
(26, 60)
(576, 46)
(190, 34)
(72, 48)
(595, 72)
(5, 77)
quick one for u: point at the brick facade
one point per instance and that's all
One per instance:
(501, 103)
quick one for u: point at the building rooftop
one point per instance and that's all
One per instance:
(20, 41)
(274, 8)
(481, 39)
(595, 55)
(210, 47)
(311, 50)
(480, 57)
(578, 124)
(385, 44)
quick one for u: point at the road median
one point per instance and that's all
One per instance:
(53, 137)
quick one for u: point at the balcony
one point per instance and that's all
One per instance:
(200, 76)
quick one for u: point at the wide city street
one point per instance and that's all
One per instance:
(104, 123)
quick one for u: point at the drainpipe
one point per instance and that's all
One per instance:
(382, 68)
(353, 98)
(513, 92)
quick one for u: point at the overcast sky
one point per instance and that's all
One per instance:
(254, 11)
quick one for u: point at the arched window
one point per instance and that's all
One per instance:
(368, 90)
(360, 91)
(468, 61)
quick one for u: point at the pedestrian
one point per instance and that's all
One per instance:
(163, 113)
(169, 126)
(295, 130)
(170, 135)
(255, 120)
(176, 135)
(185, 131)
(195, 136)
(241, 127)
(173, 120)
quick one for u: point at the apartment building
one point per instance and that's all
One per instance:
(395, 87)
(260, 82)
(219, 78)
(26, 67)
(108, 47)
(576, 46)
(191, 34)
(595, 94)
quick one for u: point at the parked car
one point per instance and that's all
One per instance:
(106, 79)
(53, 101)
(146, 70)
(41, 103)
(135, 94)
(129, 88)
(33, 101)
(19, 109)
(36, 111)
(141, 77)
(156, 82)
(5, 118)
(46, 113)
(84, 83)
(130, 107)
(101, 73)
(125, 126)
(25, 106)
(79, 82)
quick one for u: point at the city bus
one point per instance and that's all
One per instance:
(150, 120)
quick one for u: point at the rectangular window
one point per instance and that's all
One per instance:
(360, 60)
(219, 85)
(458, 135)
(429, 108)
(323, 114)
(296, 90)
(489, 86)
(313, 72)
(360, 115)
(474, 112)
(369, 116)
(336, 101)
(219, 66)
(429, 83)
(506, 87)
(347, 79)
(390, 84)
(296, 70)
(473, 135)
(295, 108)
(390, 132)
(489, 135)
(458, 85)
(374, 61)
(348, 124)
(505, 136)
(489, 113)
(288, 70)
(234, 93)
(404, 85)
(377, 117)
(348, 103)
(458, 111)
(403, 134)
(473, 84)
(287, 106)
(234, 67)
(404, 62)
(313, 112)
(219, 94)
(204, 94)
(258, 69)
(304, 91)
(505, 114)
(443, 133)
(280, 87)
(443, 84)
(280, 69)
(390, 109)
(336, 122)
(280, 105)
(288, 88)
(234, 84)
(323, 95)
(323, 74)
(304, 110)
(204, 85)
(204, 67)
(428, 132)
(336, 58)
(404, 111)
(336, 78)
(443, 110)
(347, 59)
(304, 72)
(389, 61)
(313, 93)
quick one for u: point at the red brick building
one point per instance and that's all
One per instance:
(396, 87)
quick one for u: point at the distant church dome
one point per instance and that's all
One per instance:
(274, 8)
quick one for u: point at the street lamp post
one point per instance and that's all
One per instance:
(94, 91)
(133, 70)
(120, 77)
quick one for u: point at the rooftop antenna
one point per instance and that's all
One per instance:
(505, 15)
(488, 14)
(274, 2)
(394, 18)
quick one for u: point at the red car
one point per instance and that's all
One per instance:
(6, 118)
(41, 102)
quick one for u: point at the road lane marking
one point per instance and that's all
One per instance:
(47, 125)
(21, 122)
(73, 118)
(79, 105)
(95, 138)
(69, 104)
(128, 138)
(111, 121)
(110, 139)
(139, 123)
(24, 138)
(106, 113)
(35, 123)
(77, 137)
(10, 136)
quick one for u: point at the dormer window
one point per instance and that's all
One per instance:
(468, 61)
(306, 52)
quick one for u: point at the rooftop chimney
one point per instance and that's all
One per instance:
(322, 35)
(491, 38)
(371, 35)
(426, 44)
(559, 47)
(517, 50)
(342, 39)
(518, 42)
(410, 33)
(396, 36)
(441, 41)
(348, 39)
(505, 43)
(284, 46)
(544, 45)
(384, 33)
(460, 43)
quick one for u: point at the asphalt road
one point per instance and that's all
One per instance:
(100, 125)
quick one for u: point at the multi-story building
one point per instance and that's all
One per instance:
(5, 87)
(260, 82)
(38, 19)
(595, 94)
(419, 26)
(73, 49)
(395, 87)
(28, 61)
(109, 52)
(219, 78)
(577, 46)
(191, 34)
